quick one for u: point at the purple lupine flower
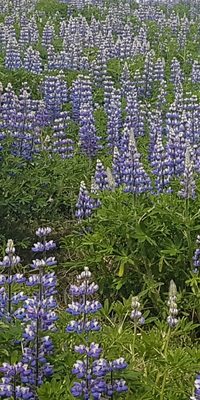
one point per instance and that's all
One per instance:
(196, 257)
(41, 247)
(117, 167)
(39, 314)
(91, 369)
(24, 37)
(159, 72)
(19, 121)
(155, 131)
(188, 182)
(138, 83)
(61, 144)
(33, 30)
(196, 395)
(114, 121)
(55, 95)
(12, 57)
(41, 232)
(195, 72)
(162, 94)
(85, 204)
(120, 386)
(88, 139)
(8, 384)
(118, 364)
(108, 90)
(172, 319)
(126, 83)
(48, 34)
(19, 297)
(9, 299)
(81, 93)
(134, 177)
(100, 177)
(99, 68)
(190, 118)
(161, 166)
(134, 114)
(175, 152)
(32, 61)
(54, 60)
(148, 74)
(176, 73)
(95, 194)
(136, 314)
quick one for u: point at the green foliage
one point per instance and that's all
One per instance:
(138, 242)
(9, 335)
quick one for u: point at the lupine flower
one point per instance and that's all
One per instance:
(38, 313)
(127, 84)
(196, 395)
(196, 258)
(32, 61)
(114, 121)
(133, 176)
(136, 314)
(161, 169)
(99, 68)
(61, 144)
(54, 60)
(8, 298)
(12, 58)
(85, 204)
(117, 167)
(188, 182)
(88, 139)
(48, 34)
(176, 73)
(195, 72)
(92, 371)
(148, 73)
(108, 90)
(173, 310)
(100, 176)
(55, 95)
(95, 191)
(81, 93)
(162, 94)
(134, 114)
(159, 72)
(24, 38)
(190, 117)
(9, 384)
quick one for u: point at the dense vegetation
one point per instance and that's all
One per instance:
(100, 156)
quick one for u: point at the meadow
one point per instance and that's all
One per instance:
(100, 199)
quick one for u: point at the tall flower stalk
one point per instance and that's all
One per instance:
(96, 374)
(172, 322)
(10, 385)
(8, 298)
(138, 319)
(39, 313)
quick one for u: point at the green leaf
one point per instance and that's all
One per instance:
(121, 269)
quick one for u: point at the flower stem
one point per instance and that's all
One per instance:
(165, 349)
(134, 339)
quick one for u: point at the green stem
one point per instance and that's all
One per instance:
(134, 339)
(165, 349)
(188, 236)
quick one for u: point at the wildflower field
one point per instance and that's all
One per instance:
(100, 199)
